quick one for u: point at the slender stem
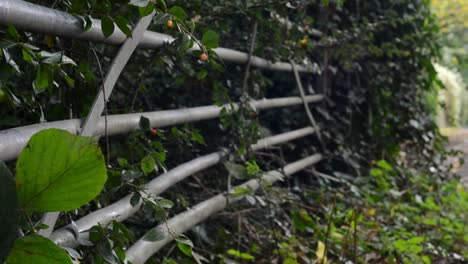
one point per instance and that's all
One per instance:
(306, 105)
(98, 61)
(249, 61)
(328, 230)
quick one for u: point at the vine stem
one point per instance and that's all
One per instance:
(249, 61)
(101, 72)
(330, 221)
(244, 86)
(306, 106)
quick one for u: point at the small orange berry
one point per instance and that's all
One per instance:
(203, 57)
(170, 24)
(303, 42)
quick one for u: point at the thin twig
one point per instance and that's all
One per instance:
(323, 175)
(355, 236)
(329, 229)
(105, 105)
(306, 106)
(249, 61)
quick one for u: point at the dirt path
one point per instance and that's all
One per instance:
(458, 140)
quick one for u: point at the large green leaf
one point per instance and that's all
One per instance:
(8, 211)
(178, 12)
(58, 171)
(210, 39)
(38, 250)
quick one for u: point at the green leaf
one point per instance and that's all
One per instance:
(88, 23)
(105, 250)
(184, 240)
(38, 250)
(240, 191)
(426, 260)
(51, 58)
(68, 79)
(416, 240)
(147, 164)
(130, 175)
(116, 226)
(122, 162)
(159, 213)
(8, 211)
(145, 123)
(146, 10)
(27, 55)
(122, 23)
(252, 168)
(67, 60)
(325, 2)
(44, 78)
(384, 165)
(155, 234)
(186, 249)
(107, 26)
(235, 170)
(29, 46)
(97, 233)
(178, 12)
(77, 6)
(9, 59)
(210, 39)
(136, 197)
(4, 44)
(197, 137)
(13, 33)
(301, 220)
(58, 171)
(202, 74)
(237, 253)
(164, 203)
(139, 3)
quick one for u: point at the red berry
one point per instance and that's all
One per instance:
(203, 57)
(154, 132)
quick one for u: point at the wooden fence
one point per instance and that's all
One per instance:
(39, 19)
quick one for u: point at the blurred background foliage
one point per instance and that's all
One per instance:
(453, 64)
